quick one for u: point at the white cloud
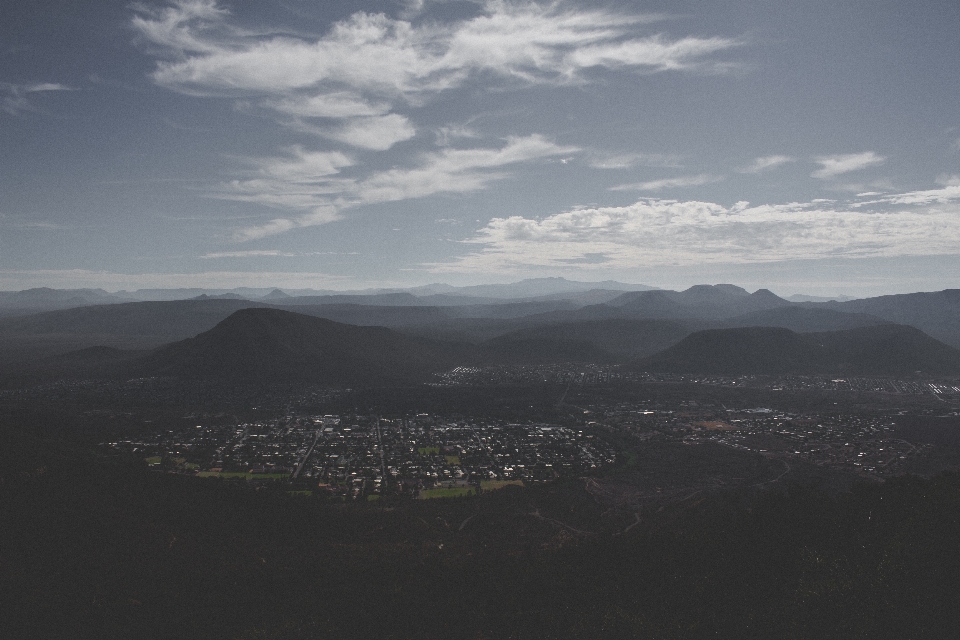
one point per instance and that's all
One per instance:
(655, 53)
(455, 170)
(257, 253)
(319, 216)
(308, 182)
(764, 163)
(305, 166)
(348, 83)
(19, 222)
(14, 98)
(833, 166)
(948, 180)
(185, 26)
(655, 232)
(883, 185)
(600, 160)
(947, 194)
(668, 183)
(369, 60)
(339, 104)
(300, 180)
(446, 135)
(378, 133)
(46, 86)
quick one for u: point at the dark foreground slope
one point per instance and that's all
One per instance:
(878, 350)
(255, 345)
(105, 549)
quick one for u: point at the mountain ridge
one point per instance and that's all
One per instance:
(887, 349)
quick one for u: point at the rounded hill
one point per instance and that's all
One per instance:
(264, 345)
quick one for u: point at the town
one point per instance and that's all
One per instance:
(363, 456)
(600, 374)
(866, 445)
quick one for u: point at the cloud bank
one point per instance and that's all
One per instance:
(656, 232)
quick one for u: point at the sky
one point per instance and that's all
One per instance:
(804, 146)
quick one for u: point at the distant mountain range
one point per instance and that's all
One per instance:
(799, 297)
(592, 325)
(44, 298)
(47, 299)
(700, 301)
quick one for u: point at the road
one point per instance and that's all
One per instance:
(383, 464)
(316, 437)
(785, 472)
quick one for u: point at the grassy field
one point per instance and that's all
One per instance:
(493, 485)
(457, 492)
(452, 459)
(153, 460)
(429, 451)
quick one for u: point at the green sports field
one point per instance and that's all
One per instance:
(457, 492)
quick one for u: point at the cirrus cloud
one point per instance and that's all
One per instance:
(539, 43)
(764, 163)
(256, 253)
(15, 98)
(368, 63)
(669, 183)
(309, 181)
(833, 166)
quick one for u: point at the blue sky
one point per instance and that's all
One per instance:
(802, 146)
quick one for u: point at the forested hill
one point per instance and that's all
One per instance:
(887, 349)
(274, 345)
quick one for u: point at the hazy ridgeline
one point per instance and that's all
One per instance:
(427, 333)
